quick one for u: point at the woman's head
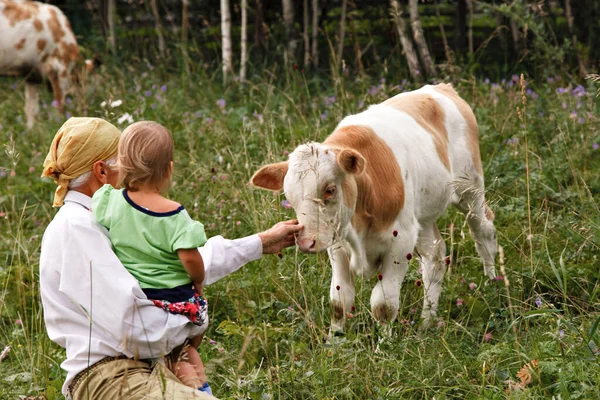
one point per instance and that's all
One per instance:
(145, 156)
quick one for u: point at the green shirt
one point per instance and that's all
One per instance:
(146, 242)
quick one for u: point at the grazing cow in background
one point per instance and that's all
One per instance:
(37, 42)
(375, 188)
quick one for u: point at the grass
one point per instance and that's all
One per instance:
(269, 319)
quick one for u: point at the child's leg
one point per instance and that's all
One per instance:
(184, 368)
(194, 358)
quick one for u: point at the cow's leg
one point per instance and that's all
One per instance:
(432, 250)
(471, 202)
(385, 297)
(32, 103)
(342, 287)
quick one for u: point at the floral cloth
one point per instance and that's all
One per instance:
(196, 308)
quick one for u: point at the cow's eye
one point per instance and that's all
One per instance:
(329, 192)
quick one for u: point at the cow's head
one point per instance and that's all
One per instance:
(319, 184)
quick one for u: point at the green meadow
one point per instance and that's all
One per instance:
(531, 334)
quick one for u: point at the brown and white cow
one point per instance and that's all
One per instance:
(375, 188)
(37, 43)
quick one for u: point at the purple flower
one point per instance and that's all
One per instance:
(373, 90)
(148, 93)
(210, 341)
(258, 116)
(486, 81)
(13, 86)
(68, 115)
(499, 278)
(564, 105)
(534, 95)
(581, 120)
(221, 103)
(472, 286)
(54, 103)
(538, 302)
(324, 116)
(561, 334)
(329, 100)
(595, 146)
(514, 78)
(459, 302)
(163, 88)
(561, 90)
(361, 104)
(153, 106)
(286, 204)
(197, 114)
(550, 79)
(488, 337)
(209, 120)
(382, 80)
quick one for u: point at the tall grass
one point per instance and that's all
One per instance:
(269, 319)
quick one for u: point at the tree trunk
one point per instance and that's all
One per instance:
(516, 34)
(226, 40)
(470, 25)
(158, 26)
(340, 49)
(407, 47)
(305, 34)
(357, 48)
(420, 39)
(461, 26)
(290, 31)
(569, 17)
(112, 40)
(244, 43)
(315, 32)
(447, 49)
(259, 32)
(185, 25)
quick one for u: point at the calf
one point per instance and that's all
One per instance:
(375, 188)
(37, 42)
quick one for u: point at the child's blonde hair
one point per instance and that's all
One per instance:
(145, 156)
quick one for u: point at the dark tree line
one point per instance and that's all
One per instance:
(430, 38)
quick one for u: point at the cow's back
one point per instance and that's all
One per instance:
(36, 37)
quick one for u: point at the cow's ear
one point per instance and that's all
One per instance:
(351, 161)
(270, 176)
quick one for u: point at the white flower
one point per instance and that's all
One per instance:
(125, 118)
(112, 104)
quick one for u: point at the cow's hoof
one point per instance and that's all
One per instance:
(334, 337)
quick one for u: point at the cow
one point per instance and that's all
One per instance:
(374, 189)
(37, 43)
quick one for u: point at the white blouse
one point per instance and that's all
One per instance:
(95, 309)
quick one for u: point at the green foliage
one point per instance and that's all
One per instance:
(269, 319)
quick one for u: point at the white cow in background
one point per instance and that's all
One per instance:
(375, 188)
(36, 42)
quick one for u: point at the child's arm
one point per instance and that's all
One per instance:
(193, 264)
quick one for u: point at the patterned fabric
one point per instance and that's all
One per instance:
(196, 308)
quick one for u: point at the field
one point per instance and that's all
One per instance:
(531, 334)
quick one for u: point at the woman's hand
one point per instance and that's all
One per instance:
(280, 236)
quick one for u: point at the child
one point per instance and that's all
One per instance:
(155, 238)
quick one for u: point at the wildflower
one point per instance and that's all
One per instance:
(324, 116)
(581, 120)
(514, 78)
(373, 90)
(163, 88)
(221, 349)
(441, 324)
(418, 283)
(486, 81)
(550, 79)
(153, 106)
(238, 223)
(210, 341)
(286, 204)
(459, 302)
(68, 115)
(148, 93)
(538, 302)
(530, 237)
(499, 278)
(380, 277)
(209, 120)
(561, 334)
(31, 169)
(18, 322)
(2, 214)
(54, 103)
(13, 86)
(563, 105)
(13, 173)
(221, 103)
(286, 153)
(488, 337)
(561, 90)
(361, 104)
(573, 114)
(595, 146)
(472, 286)
(413, 310)
(125, 118)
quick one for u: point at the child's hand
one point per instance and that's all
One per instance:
(199, 288)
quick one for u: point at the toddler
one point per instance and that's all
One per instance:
(155, 238)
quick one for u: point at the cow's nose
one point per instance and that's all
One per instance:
(307, 245)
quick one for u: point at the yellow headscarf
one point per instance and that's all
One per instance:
(78, 144)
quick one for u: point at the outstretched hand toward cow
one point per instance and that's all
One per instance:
(280, 236)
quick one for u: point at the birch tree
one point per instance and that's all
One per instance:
(420, 38)
(315, 33)
(340, 49)
(569, 17)
(407, 47)
(226, 40)
(288, 19)
(305, 34)
(158, 27)
(244, 41)
(185, 24)
(112, 40)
